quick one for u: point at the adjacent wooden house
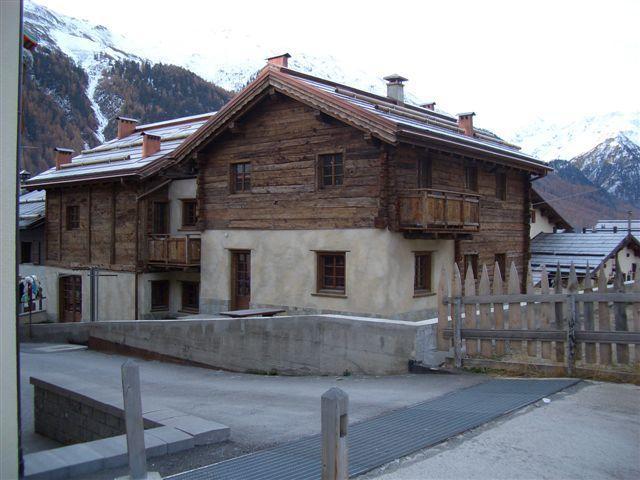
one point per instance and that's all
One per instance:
(309, 195)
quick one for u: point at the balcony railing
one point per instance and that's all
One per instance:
(174, 251)
(431, 210)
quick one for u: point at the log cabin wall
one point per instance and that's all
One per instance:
(106, 227)
(504, 224)
(282, 138)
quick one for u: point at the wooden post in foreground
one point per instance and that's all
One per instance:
(334, 417)
(133, 420)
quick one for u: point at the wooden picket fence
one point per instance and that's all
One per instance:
(579, 329)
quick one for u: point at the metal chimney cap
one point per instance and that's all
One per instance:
(395, 78)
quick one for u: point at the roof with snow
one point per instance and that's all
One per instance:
(382, 117)
(122, 157)
(581, 249)
(31, 209)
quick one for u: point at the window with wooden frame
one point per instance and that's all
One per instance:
(422, 273)
(191, 296)
(331, 166)
(241, 177)
(160, 218)
(471, 259)
(160, 295)
(189, 213)
(501, 185)
(424, 173)
(471, 178)
(331, 272)
(501, 260)
(533, 216)
(73, 217)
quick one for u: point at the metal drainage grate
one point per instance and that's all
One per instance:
(374, 442)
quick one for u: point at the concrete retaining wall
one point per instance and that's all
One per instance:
(303, 345)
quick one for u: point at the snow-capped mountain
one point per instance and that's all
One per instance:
(614, 165)
(552, 141)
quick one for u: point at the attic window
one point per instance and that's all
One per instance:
(501, 186)
(331, 169)
(471, 178)
(73, 217)
(241, 177)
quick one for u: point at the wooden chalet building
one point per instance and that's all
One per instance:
(311, 195)
(140, 231)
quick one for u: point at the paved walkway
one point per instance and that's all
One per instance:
(374, 442)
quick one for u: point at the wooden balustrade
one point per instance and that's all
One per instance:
(174, 251)
(428, 209)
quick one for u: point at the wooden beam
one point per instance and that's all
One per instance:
(112, 239)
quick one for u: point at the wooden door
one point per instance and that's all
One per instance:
(240, 279)
(71, 298)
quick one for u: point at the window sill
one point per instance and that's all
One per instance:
(186, 228)
(159, 309)
(189, 310)
(329, 294)
(423, 294)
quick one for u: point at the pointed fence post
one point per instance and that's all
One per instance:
(456, 292)
(334, 409)
(620, 318)
(443, 310)
(515, 321)
(635, 307)
(588, 324)
(572, 308)
(546, 313)
(485, 320)
(470, 320)
(532, 345)
(133, 420)
(604, 320)
(498, 308)
(559, 309)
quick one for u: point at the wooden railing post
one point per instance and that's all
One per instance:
(186, 250)
(572, 288)
(620, 318)
(559, 315)
(334, 406)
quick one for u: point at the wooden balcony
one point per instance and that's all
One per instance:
(169, 251)
(438, 211)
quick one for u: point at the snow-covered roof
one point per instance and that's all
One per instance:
(31, 208)
(121, 157)
(581, 249)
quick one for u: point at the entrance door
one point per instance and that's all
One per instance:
(70, 298)
(240, 279)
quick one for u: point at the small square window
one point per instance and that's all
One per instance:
(501, 186)
(422, 273)
(189, 213)
(160, 295)
(241, 177)
(331, 169)
(73, 217)
(471, 178)
(331, 272)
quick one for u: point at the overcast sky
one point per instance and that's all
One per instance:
(522, 59)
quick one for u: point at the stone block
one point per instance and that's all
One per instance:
(154, 446)
(160, 415)
(175, 439)
(80, 459)
(113, 450)
(203, 431)
(44, 465)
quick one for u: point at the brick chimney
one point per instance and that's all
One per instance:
(63, 156)
(279, 60)
(465, 122)
(150, 144)
(126, 126)
(429, 106)
(395, 87)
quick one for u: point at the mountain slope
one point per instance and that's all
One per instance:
(77, 81)
(581, 202)
(615, 166)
